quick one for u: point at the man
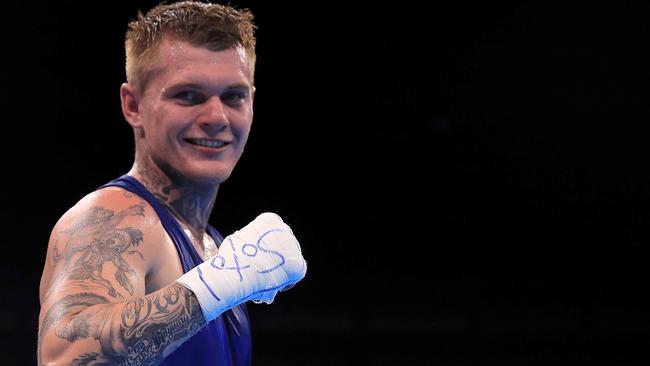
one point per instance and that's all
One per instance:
(134, 273)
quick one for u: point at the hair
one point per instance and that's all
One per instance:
(213, 26)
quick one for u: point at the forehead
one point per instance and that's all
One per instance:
(180, 61)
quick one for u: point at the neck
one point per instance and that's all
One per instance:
(191, 204)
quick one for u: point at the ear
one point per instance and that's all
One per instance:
(130, 105)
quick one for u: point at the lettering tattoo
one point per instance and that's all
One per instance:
(147, 325)
(99, 239)
(151, 324)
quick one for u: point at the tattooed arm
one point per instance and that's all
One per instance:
(85, 327)
(94, 310)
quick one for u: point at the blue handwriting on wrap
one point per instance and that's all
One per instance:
(250, 250)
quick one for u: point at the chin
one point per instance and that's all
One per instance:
(206, 175)
(207, 180)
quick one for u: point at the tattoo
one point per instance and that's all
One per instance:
(190, 208)
(64, 307)
(188, 204)
(99, 240)
(151, 324)
(56, 255)
(130, 195)
(86, 360)
(147, 326)
(78, 328)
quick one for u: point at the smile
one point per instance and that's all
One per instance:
(206, 142)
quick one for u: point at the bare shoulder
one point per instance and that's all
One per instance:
(108, 206)
(102, 245)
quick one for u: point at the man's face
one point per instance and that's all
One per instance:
(196, 111)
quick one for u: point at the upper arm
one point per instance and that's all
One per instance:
(98, 247)
(98, 253)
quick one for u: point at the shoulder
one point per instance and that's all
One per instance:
(110, 229)
(111, 206)
(112, 213)
(108, 211)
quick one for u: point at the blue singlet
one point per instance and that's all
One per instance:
(225, 341)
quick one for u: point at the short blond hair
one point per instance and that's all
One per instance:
(213, 26)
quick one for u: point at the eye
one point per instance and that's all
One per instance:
(190, 97)
(234, 98)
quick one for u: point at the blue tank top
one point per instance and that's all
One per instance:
(225, 340)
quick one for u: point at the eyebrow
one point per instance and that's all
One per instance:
(237, 86)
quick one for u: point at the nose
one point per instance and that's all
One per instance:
(213, 117)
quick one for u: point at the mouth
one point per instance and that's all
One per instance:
(208, 143)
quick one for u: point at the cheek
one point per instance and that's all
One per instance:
(243, 128)
(246, 130)
(244, 136)
(166, 126)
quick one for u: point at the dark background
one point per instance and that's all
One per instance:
(469, 183)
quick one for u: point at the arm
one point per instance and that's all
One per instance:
(93, 299)
(85, 327)
(84, 316)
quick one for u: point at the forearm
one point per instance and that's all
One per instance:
(136, 332)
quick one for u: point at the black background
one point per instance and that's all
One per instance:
(469, 183)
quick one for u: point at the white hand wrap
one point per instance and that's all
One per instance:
(254, 263)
